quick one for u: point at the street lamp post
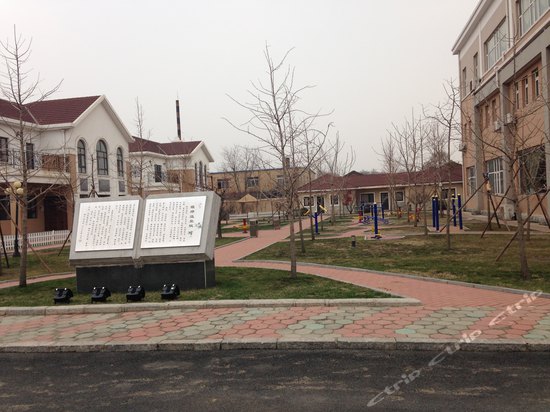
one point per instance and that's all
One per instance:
(16, 190)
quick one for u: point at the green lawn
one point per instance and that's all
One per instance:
(471, 259)
(55, 263)
(231, 283)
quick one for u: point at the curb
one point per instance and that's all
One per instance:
(404, 275)
(408, 344)
(203, 304)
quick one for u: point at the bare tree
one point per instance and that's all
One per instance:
(20, 89)
(408, 144)
(278, 123)
(338, 164)
(445, 115)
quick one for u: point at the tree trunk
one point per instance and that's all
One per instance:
(524, 267)
(292, 243)
(302, 243)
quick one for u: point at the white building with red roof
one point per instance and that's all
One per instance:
(180, 166)
(74, 147)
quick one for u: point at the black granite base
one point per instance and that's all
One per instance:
(189, 275)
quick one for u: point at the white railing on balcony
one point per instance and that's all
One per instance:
(37, 239)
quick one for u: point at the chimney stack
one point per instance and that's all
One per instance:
(178, 118)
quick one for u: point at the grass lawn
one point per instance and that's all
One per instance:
(232, 283)
(471, 259)
(57, 264)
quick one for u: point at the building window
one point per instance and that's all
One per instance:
(252, 181)
(119, 162)
(102, 158)
(487, 119)
(308, 201)
(32, 208)
(526, 91)
(530, 11)
(464, 81)
(201, 178)
(366, 198)
(196, 175)
(445, 193)
(158, 173)
(81, 156)
(334, 200)
(532, 172)
(205, 183)
(280, 181)
(516, 102)
(476, 69)
(494, 110)
(29, 155)
(536, 84)
(472, 182)
(4, 207)
(4, 149)
(223, 184)
(399, 196)
(495, 173)
(496, 44)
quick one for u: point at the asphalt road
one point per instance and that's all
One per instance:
(343, 380)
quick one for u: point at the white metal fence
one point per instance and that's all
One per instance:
(53, 237)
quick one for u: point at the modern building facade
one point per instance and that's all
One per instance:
(503, 53)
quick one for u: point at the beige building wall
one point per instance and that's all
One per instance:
(500, 101)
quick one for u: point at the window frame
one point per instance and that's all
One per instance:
(119, 162)
(495, 173)
(538, 182)
(252, 181)
(102, 154)
(496, 44)
(81, 156)
(157, 173)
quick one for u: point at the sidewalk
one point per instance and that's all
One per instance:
(489, 320)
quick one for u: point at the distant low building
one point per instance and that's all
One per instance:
(392, 191)
(257, 190)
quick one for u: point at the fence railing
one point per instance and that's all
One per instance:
(37, 239)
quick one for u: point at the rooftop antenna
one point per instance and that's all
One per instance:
(178, 118)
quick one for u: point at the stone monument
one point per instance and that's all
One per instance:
(162, 239)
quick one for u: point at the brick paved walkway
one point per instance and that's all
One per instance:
(446, 313)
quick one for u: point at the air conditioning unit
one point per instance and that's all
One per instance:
(497, 125)
(510, 119)
(463, 147)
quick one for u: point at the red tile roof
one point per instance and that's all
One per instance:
(355, 180)
(48, 112)
(170, 149)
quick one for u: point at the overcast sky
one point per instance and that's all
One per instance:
(371, 61)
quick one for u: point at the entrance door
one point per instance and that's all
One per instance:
(385, 200)
(55, 213)
(320, 202)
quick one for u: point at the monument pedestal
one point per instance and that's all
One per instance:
(187, 275)
(163, 239)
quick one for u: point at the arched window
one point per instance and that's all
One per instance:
(102, 158)
(119, 162)
(81, 156)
